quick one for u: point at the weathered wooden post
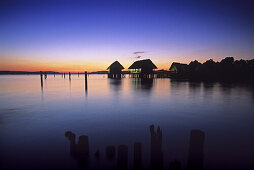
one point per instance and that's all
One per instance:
(196, 150)
(54, 74)
(69, 75)
(86, 80)
(122, 157)
(45, 74)
(78, 74)
(41, 78)
(137, 161)
(64, 75)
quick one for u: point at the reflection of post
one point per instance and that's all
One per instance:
(41, 79)
(83, 151)
(45, 74)
(110, 152)
(54, 74)
(72, 138)
(196, 150)
(156, 148)
(79, 151)
(137, 156)
(175, 165)
(111, 157)
(64, 75)
(78, 74)
(69, 75)
(86, 81)
(122, 157)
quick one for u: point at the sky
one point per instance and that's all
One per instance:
(88, 35)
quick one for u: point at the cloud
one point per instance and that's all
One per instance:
(138, 52)
(138, 56)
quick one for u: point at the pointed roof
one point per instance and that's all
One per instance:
(142, 63)
(178, 65)
(115, 64)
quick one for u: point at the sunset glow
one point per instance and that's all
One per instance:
(89, 35)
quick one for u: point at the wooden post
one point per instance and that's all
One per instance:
(45, 74)
(41, 78)
(137, 156)
(78, 74)
(54, 74)
(86, 80)
(64, 75)
(122, 157)
(69, 75)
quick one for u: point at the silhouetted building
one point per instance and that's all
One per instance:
(142, 68)
(115, 70)
(178, 68)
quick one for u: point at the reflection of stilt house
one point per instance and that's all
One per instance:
(178, 68)
(115, 70)
(142, 68)
(163, 73)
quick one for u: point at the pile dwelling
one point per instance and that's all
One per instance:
(115, 70)
(142, 69)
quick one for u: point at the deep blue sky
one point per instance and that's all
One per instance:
(92, 34)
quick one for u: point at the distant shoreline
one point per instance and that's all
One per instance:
(51, 72)
(48, 72)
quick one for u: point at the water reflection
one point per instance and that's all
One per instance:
(226, 88)
(195, 88)
(116, 85)
(209, 85)
(145, 85)
(80, 152)
(176, 106)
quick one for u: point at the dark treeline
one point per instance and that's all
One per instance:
(227, 69)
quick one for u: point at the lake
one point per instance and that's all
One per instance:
(34, 121)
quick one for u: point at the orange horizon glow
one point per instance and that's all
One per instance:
(76, 66)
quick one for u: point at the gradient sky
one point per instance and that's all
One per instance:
(70, 35)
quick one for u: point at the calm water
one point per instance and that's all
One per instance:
(33, 120)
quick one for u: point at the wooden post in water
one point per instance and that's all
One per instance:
(86, 80)
(41, 78)
(45, 74)
(54, 74)
(64, 75)
(78, 74)
(69, 75)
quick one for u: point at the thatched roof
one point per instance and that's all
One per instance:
(178, 66)
(114, 65)
(143, 64)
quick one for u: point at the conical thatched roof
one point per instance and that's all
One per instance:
(143, 64)
(115, 65)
